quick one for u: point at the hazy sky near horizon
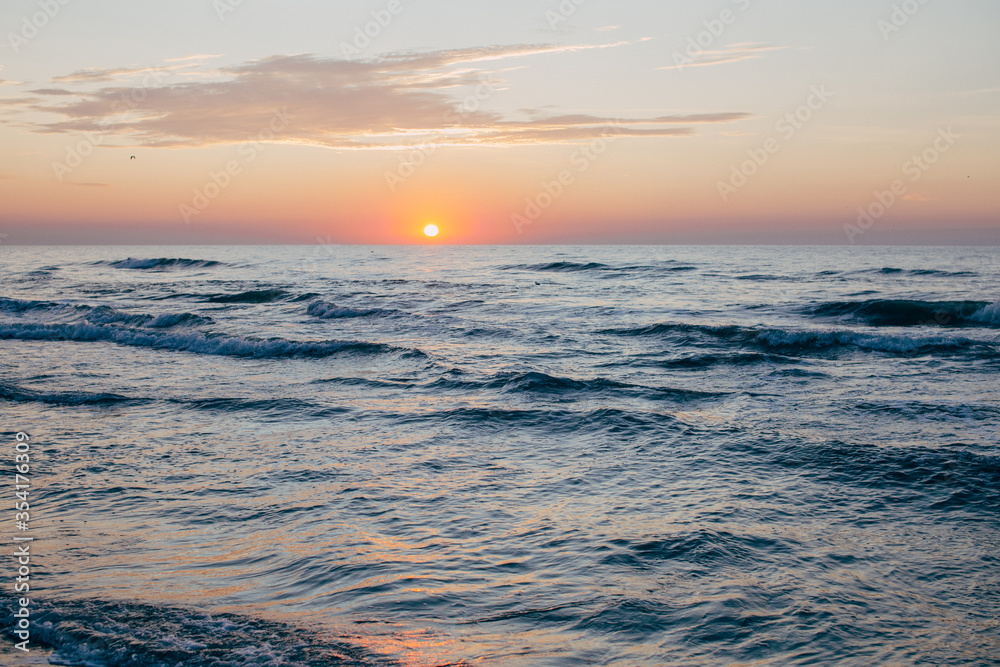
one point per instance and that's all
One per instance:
(562, 121)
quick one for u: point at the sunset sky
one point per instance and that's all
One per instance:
(573, 121)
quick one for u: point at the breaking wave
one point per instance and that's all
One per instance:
(162, 263)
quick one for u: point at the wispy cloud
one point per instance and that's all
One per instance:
(397, 100)
(54, 91)
(731, 54)
(199, 57)
(103, 75)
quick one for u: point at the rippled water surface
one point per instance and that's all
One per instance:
(624, 456)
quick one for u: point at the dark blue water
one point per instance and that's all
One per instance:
(508, 456)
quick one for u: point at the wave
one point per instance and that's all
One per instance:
(109, 315)
(105, 314)
(570, 267)
(114, 634)
(762, 277)
(709, 360)
(161, 263)
(947, 274)
(252, 296)
(989, 315)
(895, 271)
(534, 382)
(945, 479)
(277, 408)
(906, 313)
(168, 320)
(623, 423)
(804, 341)
(559, 267)
(702, 547)
(329, 311)
(23, 306)
(283, 408)
(71, 398)
(194, 342)
(936, 411)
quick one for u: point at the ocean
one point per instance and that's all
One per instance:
(428, 456)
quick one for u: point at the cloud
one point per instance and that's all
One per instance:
(181, 66)
(397, 100)
(200, 57)
(98, 75)
(731, 54)
(53, 91)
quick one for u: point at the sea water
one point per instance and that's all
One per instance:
(629, 456)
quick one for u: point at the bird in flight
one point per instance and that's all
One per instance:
(133, 157)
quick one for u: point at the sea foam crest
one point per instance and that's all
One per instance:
(989, 315)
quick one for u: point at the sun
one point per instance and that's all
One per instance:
(431, 231)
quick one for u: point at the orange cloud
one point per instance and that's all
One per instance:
(398, 100)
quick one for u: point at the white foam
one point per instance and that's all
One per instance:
(989, 314)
